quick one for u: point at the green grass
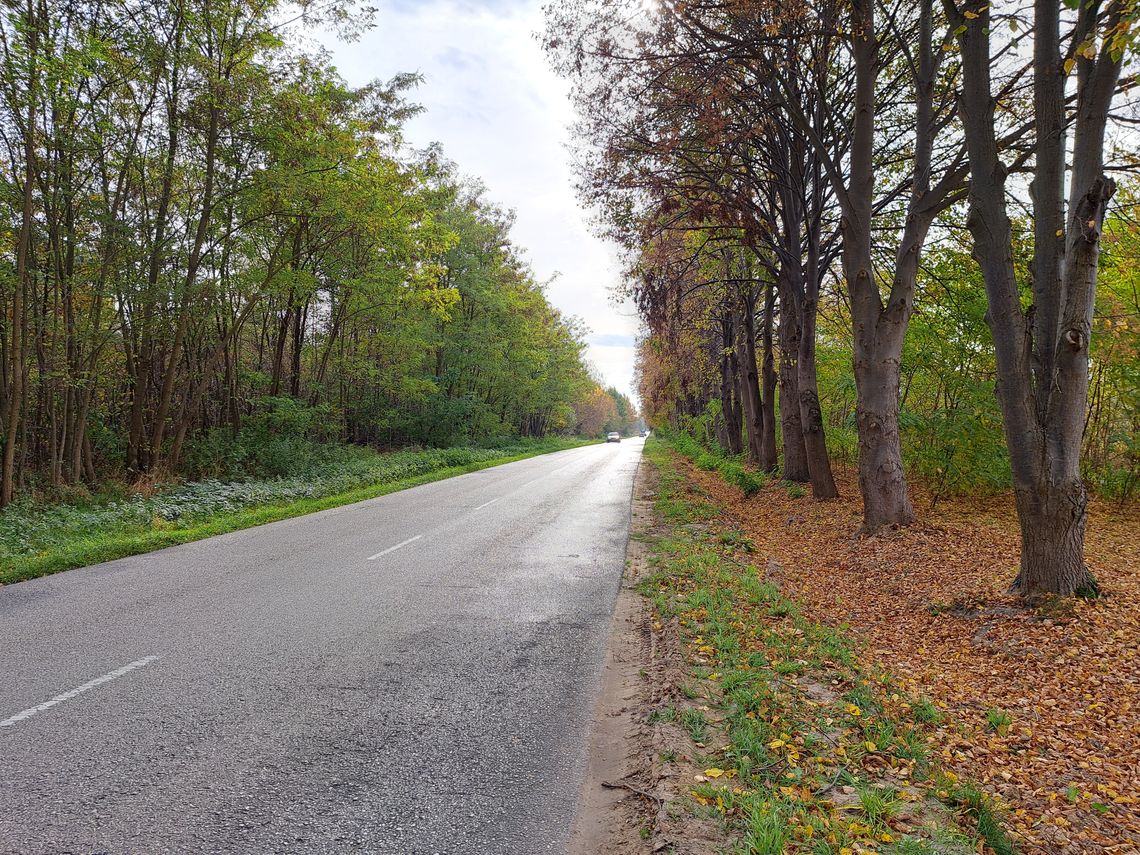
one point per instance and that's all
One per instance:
(998, 720)
(37, 540)
(979, 809)
(925, 711)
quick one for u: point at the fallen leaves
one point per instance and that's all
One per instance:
(930, 603)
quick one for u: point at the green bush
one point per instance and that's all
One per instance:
(735, 472)
(706, 461)
(30, 528)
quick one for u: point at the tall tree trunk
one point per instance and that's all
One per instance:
(23, 253)
(729, 367)
(807, 302)
(811, 413)
(882, 481)
(791, 422)
(194, 262)
(769, 456)
(299, 321)
(750, 381)
(1042, 362)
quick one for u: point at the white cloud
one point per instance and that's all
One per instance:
(502, 115)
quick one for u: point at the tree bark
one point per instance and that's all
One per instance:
(811, 413)
(791, 420)
(882, 481)
(881, 478)
(769, 456)
(729, 367)
(23, 253)
(1043, 360)
(750, 381)
(1052, 518)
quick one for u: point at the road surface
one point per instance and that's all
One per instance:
(411, 674)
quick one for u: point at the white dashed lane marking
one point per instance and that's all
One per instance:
(394, 548)
(78, 690)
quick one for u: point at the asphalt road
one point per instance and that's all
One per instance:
(411, 674)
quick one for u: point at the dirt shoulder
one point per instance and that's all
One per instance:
(632, 801)
(620, 780)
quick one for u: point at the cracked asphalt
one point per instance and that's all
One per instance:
(411, 674)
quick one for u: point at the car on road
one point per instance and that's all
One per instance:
(644, 434)
(613, 436)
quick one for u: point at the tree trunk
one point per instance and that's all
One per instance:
(1043, 360)
(750, 383)
(878, 346)
(23, 253)
(728, 370)
(1052, 518)
(769, 456)
(881, 478)
(166, 393)
(811, 414)
(791, 422)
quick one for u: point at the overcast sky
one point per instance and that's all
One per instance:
(502, 116)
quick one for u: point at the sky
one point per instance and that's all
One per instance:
(503, 116)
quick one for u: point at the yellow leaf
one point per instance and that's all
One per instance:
(970, 15)
(853, 710)
(1060, 232)
(714, 773)
(1069, 65)
(870, 746)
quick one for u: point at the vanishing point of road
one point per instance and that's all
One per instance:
(410, 674)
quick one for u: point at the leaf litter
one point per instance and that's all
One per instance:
(931, 605)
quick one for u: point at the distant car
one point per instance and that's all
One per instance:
(613, 436)
(644, 434)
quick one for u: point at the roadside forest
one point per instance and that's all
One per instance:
(897, 236)
(218, 255)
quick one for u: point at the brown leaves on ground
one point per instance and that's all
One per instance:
(1043, 705)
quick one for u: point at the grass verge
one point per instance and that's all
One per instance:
(75, 545)
(795, 746)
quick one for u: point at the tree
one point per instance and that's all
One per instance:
(215, 239)
(1043, 351)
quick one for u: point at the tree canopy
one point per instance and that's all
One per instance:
(824, 206)
(209, 231)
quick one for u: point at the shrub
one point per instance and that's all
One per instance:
(28, 528)
(749, 482)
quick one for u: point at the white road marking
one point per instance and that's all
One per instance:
(78, 690)
(527, 484)
(394, 548)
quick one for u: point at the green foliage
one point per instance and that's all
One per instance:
(950, 419)
(925, 711)
(998, 720)
(256, 266)
(979, 808)
(736, 473)
(709, 456)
